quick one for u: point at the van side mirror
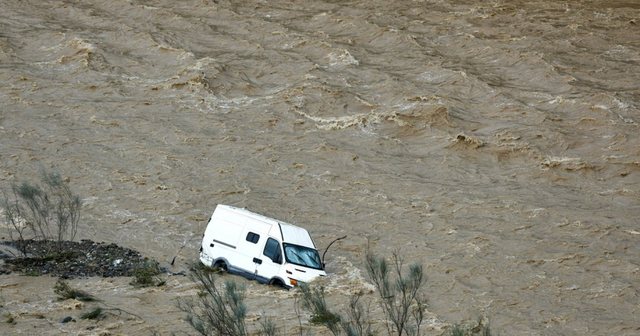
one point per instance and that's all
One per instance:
(327, 249)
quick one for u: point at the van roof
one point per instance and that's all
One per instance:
(248, 213)
(290, 233)
(296, 235)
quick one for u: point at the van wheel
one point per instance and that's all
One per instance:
(277, 283)
(220, 266)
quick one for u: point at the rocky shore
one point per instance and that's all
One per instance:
(70, 259)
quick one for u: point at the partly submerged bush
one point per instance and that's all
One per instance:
(356, 323)
(64, 292)
(267, 327)
(313, 299)
(400, 293)
(9, 318)
(216, 310)
(146, 275)
(92, 315)
(479, 329)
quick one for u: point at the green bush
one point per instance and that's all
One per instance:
(9, 318)
(358, 323)
(65, 292)
(313, 300)
(92, 315)
(216, 310)
(479, 329)
(267, 327)
(146, 275)
(400, 293)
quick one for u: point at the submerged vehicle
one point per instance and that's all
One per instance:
(258, 247)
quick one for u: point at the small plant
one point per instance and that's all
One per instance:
(480, 329)
(216, 310)
(9, 318)
(358, 324)
(400, 298)
(146, 275)
(32, 273)
(267, 327)
(60, 256)
(65, 292)
(92, 315)
(206, 269)
(458, 331)
(313, 300)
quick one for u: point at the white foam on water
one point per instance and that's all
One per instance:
(347, 280)
(342, 57)
(361, 120)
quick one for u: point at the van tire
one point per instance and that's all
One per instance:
(277, 283)
(221, 266)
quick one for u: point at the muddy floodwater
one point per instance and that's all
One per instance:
(495, 142)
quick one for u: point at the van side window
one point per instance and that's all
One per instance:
(253, 237)
(273, 251)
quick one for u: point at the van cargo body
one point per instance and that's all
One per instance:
(259, 247)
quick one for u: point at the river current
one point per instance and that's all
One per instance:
(497, 143)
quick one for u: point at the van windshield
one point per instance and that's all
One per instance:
(302, 256)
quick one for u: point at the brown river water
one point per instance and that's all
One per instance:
(495, 142)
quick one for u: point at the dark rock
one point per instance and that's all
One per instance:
(67, 319)
(68, 259)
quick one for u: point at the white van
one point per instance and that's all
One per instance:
(259, 247)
